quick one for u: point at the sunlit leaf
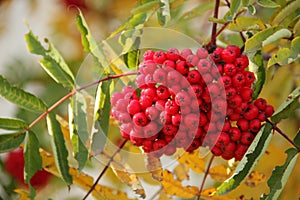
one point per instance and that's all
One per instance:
(52, 62)
(33, 159)
(154, 167)
(197, 11)
(288, 106)
(59, 148)
(23, 194)
(268, 3)
(255, 178)
(220, 173)
(281, 174)
(245, 23)
(12, 124)
(286, 55)
(250, 159)
(20, 97)
(260, 73)
(193, 161)
(175, 188)
(145, 7)
(163, 14)
(291, 7)
(235, 6)
(297, 138)
(83, 180)
(182, 172)
(210, 194)
(163, 196)
(265, 37)
(297, 27)
(11, 141)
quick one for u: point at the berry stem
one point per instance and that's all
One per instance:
(276, 128)
(72, 93)
(214, 26)
(205, 176)
(105, 169)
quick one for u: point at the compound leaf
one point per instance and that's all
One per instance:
(11, 141)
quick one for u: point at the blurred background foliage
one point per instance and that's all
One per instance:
(56, 20)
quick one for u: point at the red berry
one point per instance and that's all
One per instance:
(171, 107)
(240, 151)
(182, 67)
(247, 138)
(243, 124)
(216, 151)
(145, 102)
(176, 119)
(223, 140)
(246, 93)
(162, 92)
(191, 121)
(216, 55)
(226, 80)
(151, 112)
(159, 144)
(147, 67)
(182, 99)
(255, 125)
(229, 69)
(159, 57)
(235, 101)
(192, 60)
(230, 92)
(250, 78)
(269, 110)
(160, 76)
(241, 63)
(147, 146)
(197, 89)
(235, 134)
(202, 53)
(165, 118)
(203, 66)
(194, 76)
(185, 53)
(260, 103)
(172, 54)
(238, 80)
(168, 65)
(228, 55)
(148, 55)
(251, 112)
(140, 119)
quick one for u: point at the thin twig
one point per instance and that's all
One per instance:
(104, 170)
(72, 93)
(214, 26)
(205, 176)
(276, 128)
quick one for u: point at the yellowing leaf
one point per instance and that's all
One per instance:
(174, 187)
(246, 24)
(193, 161)
(163, 195)
(220, 173)
(154, 166)
(83, 180)
(255, 178)
(23, 194)
(181, 171)
(210, 194)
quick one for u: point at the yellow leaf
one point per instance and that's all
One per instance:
(163, 195)
(23, 194)
(181, 171)
(83, 180)
(154, 166)
(174, 187)
(209, 194)
(219, 173)
(255, 178)
(193, 161)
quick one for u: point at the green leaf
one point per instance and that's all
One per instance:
(132, 59)
(268, 3)
(245, 23)
(297, 27)
(260, 74)
(288, 106)
(281, 174)
(11, 141)
(102, 115)
(250, 159)
(52, 62)
(235, 7)
(12, 124)
(291, 7)
(33, 159)
(197, 11)
(59, 148)
(251, 9)
(265, 37)
(145, 7)
(80, 129)
(286, 56)
(297, 138)
(20, 97)
(163, 14)
(89, 43)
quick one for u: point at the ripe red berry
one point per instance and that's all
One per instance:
(246, 93)
(172, 54)
(250, 78)
(235, 101)
(159, 57)
(223, 140)
(240, 151)
(247, 138)
(171, 107)
(255, 125)
(251, 112)
(185, 53)
(243, 124)
(238, 80)
(228, 55)
(145, 102)
(176, 119)
(201, 53)
(182, 67)
(140, 119)
(182, 99)
(194, 76)
(159, 144)
(151, 112)
(203, 66)
(216, 55)
(269, 110)
(147, 146)
(260, 103)
(235, 134)
(216, 151)
(160, 76)
(148, 55)
(229, 69)
(241, 63)
(192, 60)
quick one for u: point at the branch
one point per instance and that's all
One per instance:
(214, 26)
(276, 128)
(104, 170)
(205, 176)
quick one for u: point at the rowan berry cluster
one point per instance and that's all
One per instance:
(187, 100)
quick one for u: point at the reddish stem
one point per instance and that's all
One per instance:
(72, 93)
(104, 170)
(276, 128)
(205, 176)
(214, 26)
